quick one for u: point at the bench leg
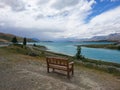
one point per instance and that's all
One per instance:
(48, 69)
(53, 69)
(72, 72)
(68, 74)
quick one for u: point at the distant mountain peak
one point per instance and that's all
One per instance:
(110, 37)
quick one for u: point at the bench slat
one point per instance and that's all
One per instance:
(60, 64)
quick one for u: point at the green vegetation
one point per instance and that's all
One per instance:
(78, 54)
(39, 46)
(107, 46)
(112, 68)
(34, 44)
(119, 47)
(14, 40)
(98, 62)
(17, 49)
(24, 41)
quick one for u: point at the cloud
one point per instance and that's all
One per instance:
(55, 19)
(43, 1)
(26, 32)
(60, 4)
(15, 5)
(105, 23)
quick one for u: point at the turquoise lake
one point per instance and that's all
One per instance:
(69, 48)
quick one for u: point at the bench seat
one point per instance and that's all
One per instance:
(60, 64)
(59, 67)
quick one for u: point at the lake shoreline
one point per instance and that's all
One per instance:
(103, 46)
(69, 48)
(86, 59)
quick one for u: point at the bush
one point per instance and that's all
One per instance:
(78, 54)
(34, 44)
(89, 65)
(32, 54)
(112, 70)
(42, 52)
(118, 47)
(14, 40)
(24, 41)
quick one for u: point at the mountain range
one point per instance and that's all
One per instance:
(111, 37)
(115, 37)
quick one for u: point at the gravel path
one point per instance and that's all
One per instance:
(20, 72)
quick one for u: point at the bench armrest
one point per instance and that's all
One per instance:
(71, 63)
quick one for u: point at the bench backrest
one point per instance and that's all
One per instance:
(57, 61)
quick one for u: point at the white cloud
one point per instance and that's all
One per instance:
(106, 23)
(15, 5)
(61, 4)
(53, 19)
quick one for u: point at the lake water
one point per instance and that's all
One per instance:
(69, 48)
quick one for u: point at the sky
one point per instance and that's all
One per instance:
(60, 19)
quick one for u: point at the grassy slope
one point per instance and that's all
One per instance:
(8, 37)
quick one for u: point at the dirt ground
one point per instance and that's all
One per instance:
(21, 72)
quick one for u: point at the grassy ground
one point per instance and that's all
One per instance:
(21, 70)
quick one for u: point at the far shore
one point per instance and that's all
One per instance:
(106, 46)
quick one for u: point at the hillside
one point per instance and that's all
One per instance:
(111, 37)
(8, 37)
(114, 37)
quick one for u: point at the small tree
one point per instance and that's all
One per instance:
(78, 54)
(119, 47)
(14, 40)
(34, 44)
(24, 41)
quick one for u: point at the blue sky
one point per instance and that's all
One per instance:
(101, 6)
(60, 19)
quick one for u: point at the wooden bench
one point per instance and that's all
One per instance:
(60, 64)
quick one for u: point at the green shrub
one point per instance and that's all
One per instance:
(118, 47)
(112, 70)
(89, 65)
(14, 40)
(18, 45)
(33, 54)
(24, 41)
(78, 54)
(34, 44)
